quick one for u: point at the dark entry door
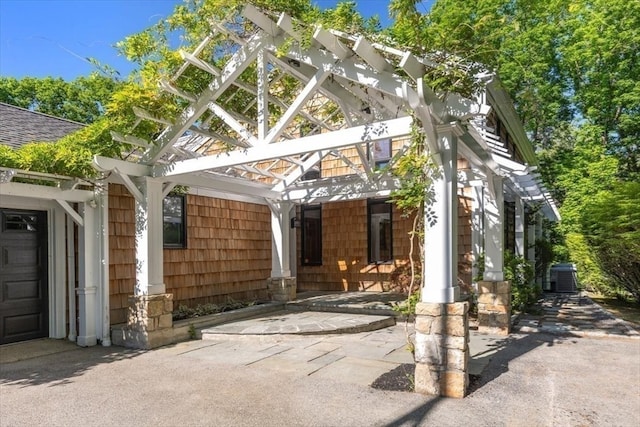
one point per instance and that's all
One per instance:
(23, 275)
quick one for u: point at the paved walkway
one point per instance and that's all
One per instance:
(575, 314)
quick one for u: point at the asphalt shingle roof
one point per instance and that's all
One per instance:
(19, 126)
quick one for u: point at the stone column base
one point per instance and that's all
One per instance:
(494, 307)
(282, 289)
(442, 349)
(150, 322)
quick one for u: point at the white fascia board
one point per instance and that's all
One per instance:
(234, 67)
(228, 185)
(44, 192)
(351, 189)
(208, 192)
(325, 141)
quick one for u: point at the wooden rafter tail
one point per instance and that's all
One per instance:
(146, 115)
(195, 53)
(169, 88)
(128, 139)
(199, 63)
(370, 55)
(265, 23)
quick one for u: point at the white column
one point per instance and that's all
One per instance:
(71, 278)
(280, 220)
(519, 223)
(493, 229)
(542, 281)
(263, 95)
(441, 228)
(88, 277)
(103, 313)
(477, 227)
(57, 297)
(531, 238)
(149, 241)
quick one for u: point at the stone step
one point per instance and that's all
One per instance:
(300, 323)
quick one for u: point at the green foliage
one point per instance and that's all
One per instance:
(186, 312)
(82, 100)
(589, 273)
(611, 224)
(524, 292)
(416, 171)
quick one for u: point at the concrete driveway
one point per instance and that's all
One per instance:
(572, 365)
(531, 379)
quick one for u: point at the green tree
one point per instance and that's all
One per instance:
(82, 100)
(611, 224)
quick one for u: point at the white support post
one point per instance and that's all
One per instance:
(280, 218)
(104, 315)
(89, 274)
(493, 229)
(542, 281)
(531, 239)
(71, 278)
(263, 96)
(441, 223)
(281, 286)
(149, 242)
(477, 228)
(519, 223)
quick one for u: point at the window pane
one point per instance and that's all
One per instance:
(380, 235)
(311, 235)
(20, 221)
(174, 221)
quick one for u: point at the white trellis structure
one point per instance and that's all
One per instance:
(350, 91)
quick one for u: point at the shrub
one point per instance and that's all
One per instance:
(524, 291)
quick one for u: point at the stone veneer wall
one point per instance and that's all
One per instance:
(494, 307)
(442, 349)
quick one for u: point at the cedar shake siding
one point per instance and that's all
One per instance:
(345, 265)
(228, 252)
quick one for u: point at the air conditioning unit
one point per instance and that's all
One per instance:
(564, 278)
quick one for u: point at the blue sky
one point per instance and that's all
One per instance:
(40, 38)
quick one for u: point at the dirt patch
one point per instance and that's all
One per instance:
(402, 378)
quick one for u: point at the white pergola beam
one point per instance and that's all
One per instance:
(338, 139)
(296, 106)
(261, 20)
(234, 67)
(128, 139)
(366, 51)
(44, 192)
(199, 63)
(332, 43)
(144, 114)
(233, 123)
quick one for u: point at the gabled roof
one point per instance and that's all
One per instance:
(19, 126)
